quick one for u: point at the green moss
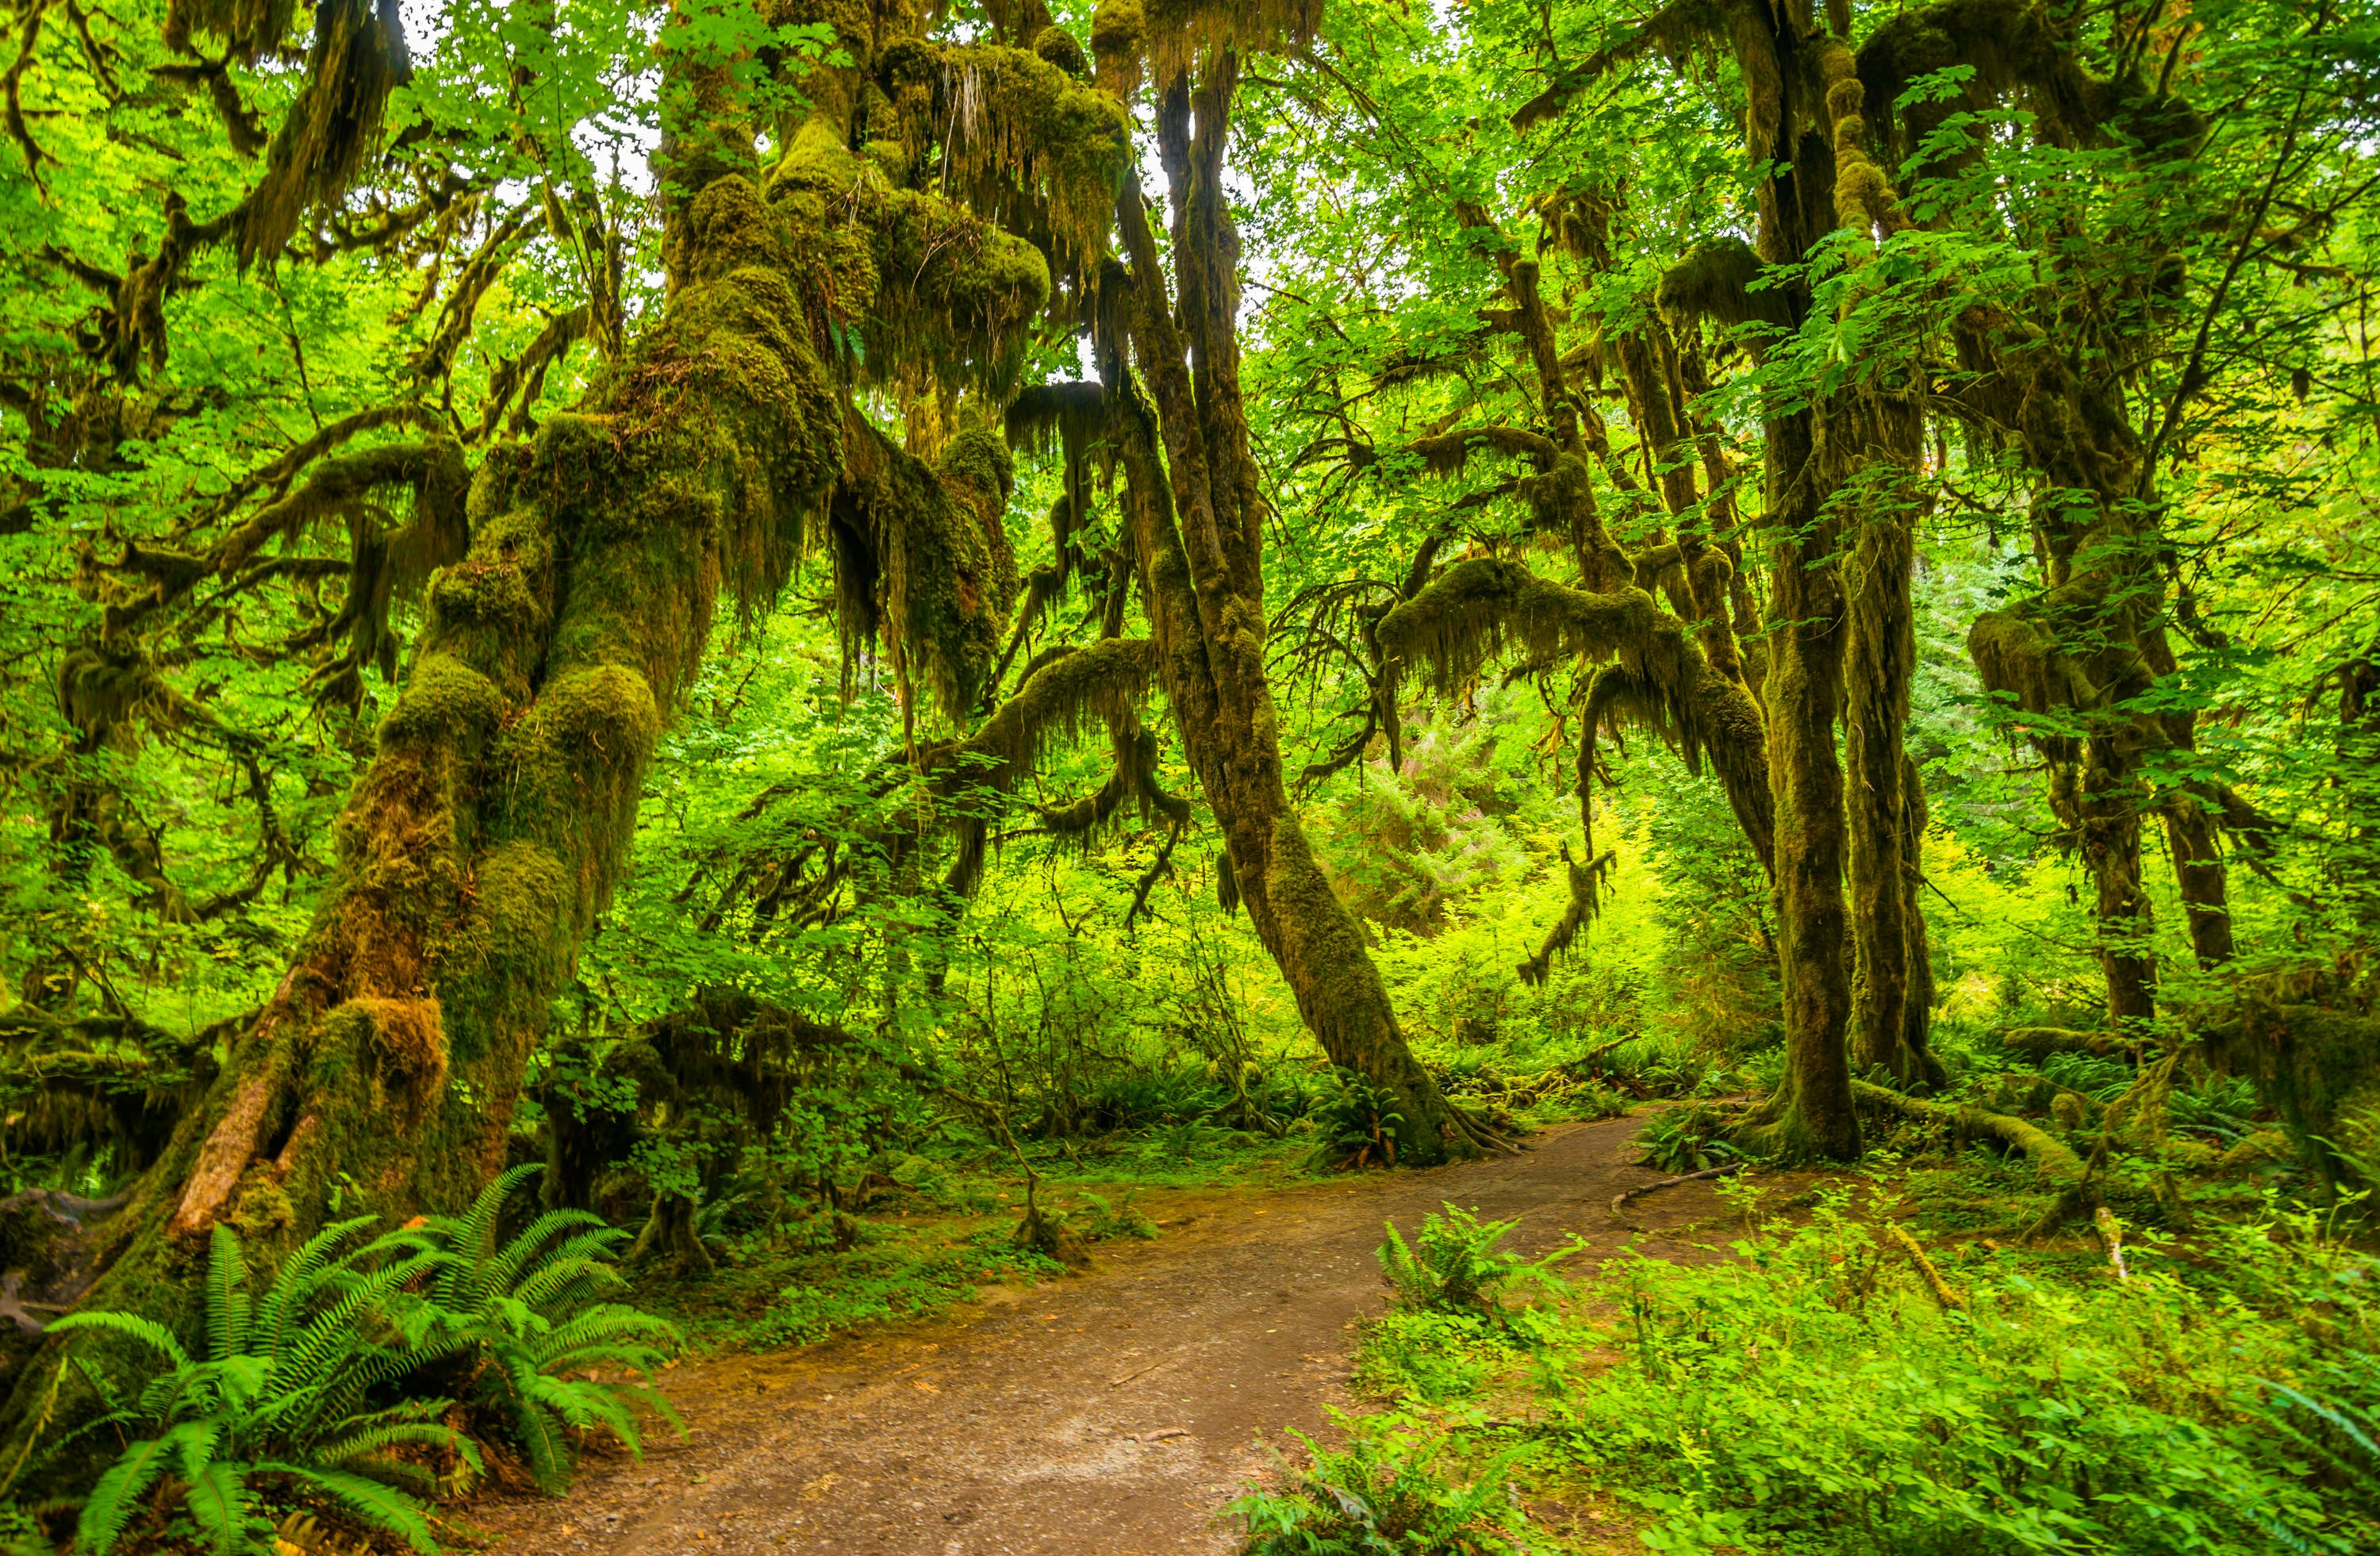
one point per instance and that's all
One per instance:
(1060, 48)
(979, 475)
(1119, 35)
(956, 296)
(1012, 122)
(445, 702)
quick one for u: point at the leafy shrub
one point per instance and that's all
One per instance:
(1813, 1398)
(1690, 1139)
(1153, 1095)
(1453, 1264)
(523, 1315)
(1381, 1493)
(1358, 1127)
(1434, 1358)
(279, 1404)
(1099, 1220)
(880, 1281)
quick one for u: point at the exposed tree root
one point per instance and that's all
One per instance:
(1621, 1198)
(2053, 1157)
(1944, 1297)
(2053, 1160)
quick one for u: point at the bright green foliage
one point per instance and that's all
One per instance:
(1358, 1127)
(1453, 1265)
(523, 1318)
(281, 1406)
(1382, 1494)
(1688, 1138)
(1429, 1356)
(1813, 1395)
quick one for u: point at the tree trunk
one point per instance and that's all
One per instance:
(1197, 525)
(2110, 816)
(1815, 1114)
(485, 836)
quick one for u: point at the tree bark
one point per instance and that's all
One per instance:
(1816, 1115)
(1197, 525)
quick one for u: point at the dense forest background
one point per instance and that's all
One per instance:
(678, 618)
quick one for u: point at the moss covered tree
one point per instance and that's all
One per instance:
(492, 822)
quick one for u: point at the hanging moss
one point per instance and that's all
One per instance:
(956, 296)
(330, 129)
(1586, 885)
(917, 563)
(1659, 676)
(1099, 685)
(1181, 34)
(104, 690)
(1716, 281)
(979, 476)
(1017, 124)
(2008, 46)
(251, 28)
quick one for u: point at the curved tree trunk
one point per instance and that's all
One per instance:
(486, 834)
(1197, 527)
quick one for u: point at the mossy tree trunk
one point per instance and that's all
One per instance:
(1814, 1115)
(484, 836)
(1197, 524)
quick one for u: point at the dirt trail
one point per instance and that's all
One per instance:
(1112, 1412)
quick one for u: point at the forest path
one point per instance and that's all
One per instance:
(1112, 1412)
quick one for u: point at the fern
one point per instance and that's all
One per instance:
(523, 1313)
(132, 1326)
(366, 1500)
(281, 1395)
(118, 1495)
(227, 1305)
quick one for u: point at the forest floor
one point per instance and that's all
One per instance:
(1113, 1411)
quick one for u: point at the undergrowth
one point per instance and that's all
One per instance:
(1837, 1386)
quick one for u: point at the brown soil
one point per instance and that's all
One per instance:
(1112, 1412)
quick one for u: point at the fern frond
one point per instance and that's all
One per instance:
(527, 1253)
(227, 1305)
(370, 1504)
(116, 1495)
(132, 1326)
(217, 1498)
(652, 1402)
(540, 1433)
(301, 1275)
(579, 1267)
(377, 1438)
(472, 1239)
(333, 1332)
(612, 1323)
